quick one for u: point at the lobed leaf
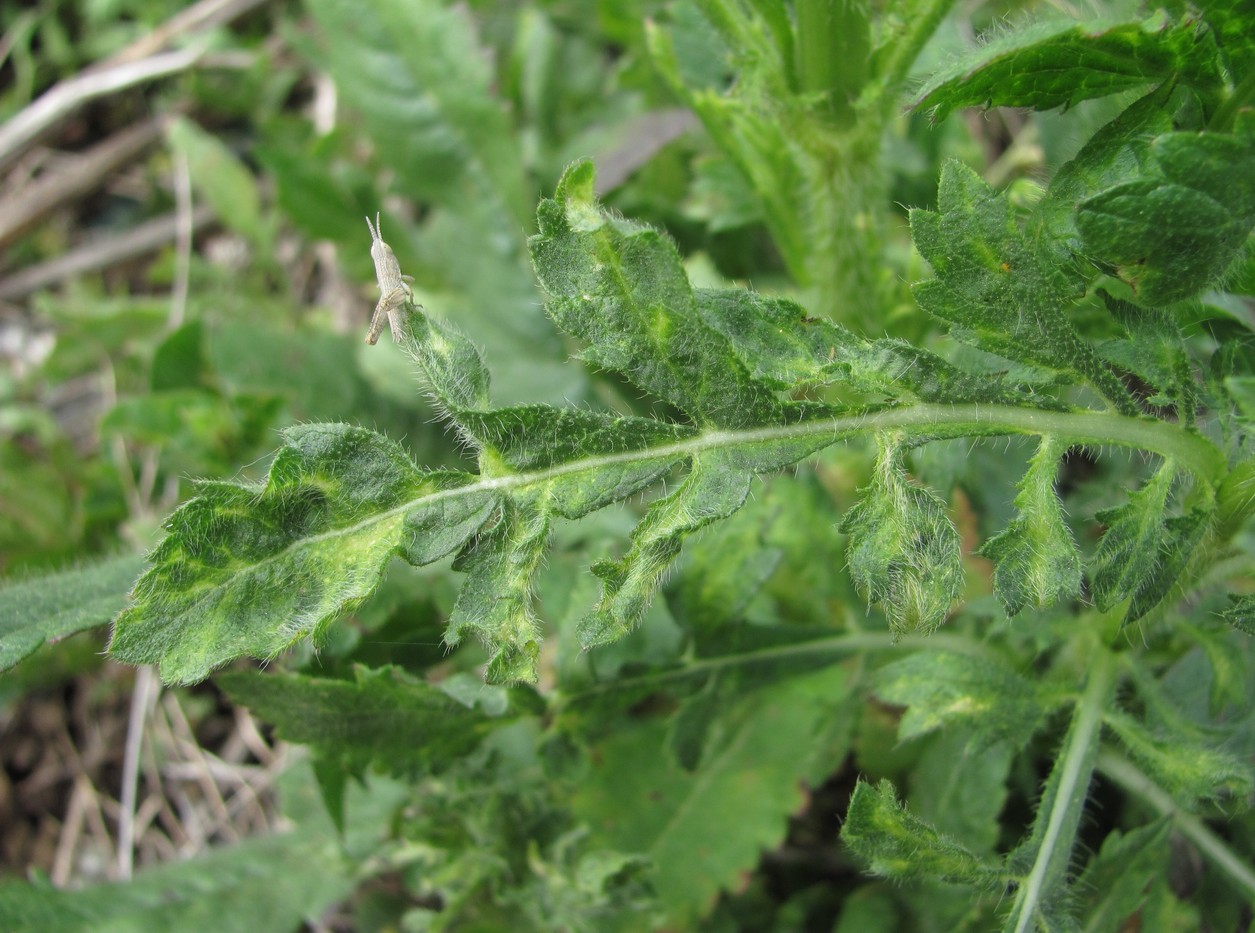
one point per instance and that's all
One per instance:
(1002, 291)
(903, 549)
(495, 603)
(1036, 562)
(253, 569)
(1155, 351)
(382, 716)
(942, 688)
(896, 844)
(1047, 65)
(1129, 552)
(1175, 230)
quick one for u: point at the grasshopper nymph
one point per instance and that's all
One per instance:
(394, 288)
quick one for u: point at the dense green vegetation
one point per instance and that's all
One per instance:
(920, 591)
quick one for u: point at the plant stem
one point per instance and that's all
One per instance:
(820, 650)
(1127, 775)
(833, 45)
(923, 21)
(1066, 791)
(1222, 120)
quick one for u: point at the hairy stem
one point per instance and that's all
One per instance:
(1066, 791)
(923, 21)
(1127, 775)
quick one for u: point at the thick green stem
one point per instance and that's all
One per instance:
(833, 44)
(1243, 94)
(844, 216)
(1063, 803)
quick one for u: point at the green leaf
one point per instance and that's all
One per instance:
(321, 201)
(222, 180)
(620, 287)
(55, 606)
(1231, 20)
(779, 344)
(496, 601)
(1189, 770)
(961, 785)
(384, 717)
(1129, 552)
(1180, 545)
(267, 883)
(416, 73)
(1002, 291)
(1155, 351)
(1054, 64)
(897, 844)
(1241, 613)
(1036, 563)
(703, 830)
(903, 550)
(1174, 231)
(1119, 151)
(941, 688)
(253, 569)
(1114, 883)
(198, 431)
(713, 489)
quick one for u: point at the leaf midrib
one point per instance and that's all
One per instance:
(1191, 452)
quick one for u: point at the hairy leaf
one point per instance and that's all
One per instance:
(999, 289)
(1036, 563)
(782, 346)
(1130, 549)
(52, 607)
(940, 687)
(1190, 771)
(251, 570)
(897, 844)
(1241, 613)
(1183, 534)
(1047, 65)
(1174, 231)
(620, 287)
(904, 550)
(1119, 151)
(1155, 351)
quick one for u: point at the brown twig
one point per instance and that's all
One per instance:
(197, 17)
(65, 97)
(100, 254)
(74, 177)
